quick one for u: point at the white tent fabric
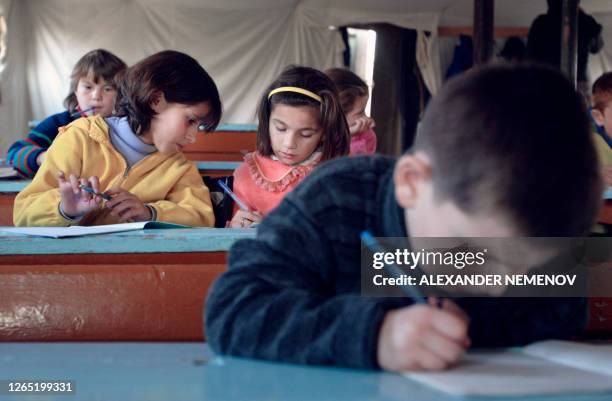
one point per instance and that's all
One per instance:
(602, 62)
(15, 106)
(243, 44)
(428, 60)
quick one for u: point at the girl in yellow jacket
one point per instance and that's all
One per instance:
(132, 162)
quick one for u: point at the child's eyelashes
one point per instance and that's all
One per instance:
(201, 125)
(303, 134)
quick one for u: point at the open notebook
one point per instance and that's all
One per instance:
(546, 367)
(76, 231)
(8, 172)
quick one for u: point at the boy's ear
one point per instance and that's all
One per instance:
(597, 116)
(410, 173)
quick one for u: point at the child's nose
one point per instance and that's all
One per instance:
(191, 136)
(290, 141)
(97, 93)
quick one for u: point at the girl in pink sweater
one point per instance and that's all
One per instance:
(354, 96)
(301, 124)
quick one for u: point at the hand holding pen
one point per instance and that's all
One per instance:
(77, 201)
(243, 218)
(428, 335)
(127, 207)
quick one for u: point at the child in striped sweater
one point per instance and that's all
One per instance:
(92, 91)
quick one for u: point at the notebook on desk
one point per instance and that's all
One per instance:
(546, 367)
(8, 172)
(76, 231)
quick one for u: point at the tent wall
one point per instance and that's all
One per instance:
(602, 62)
(243, 49)
(242, 44)
(15, 102)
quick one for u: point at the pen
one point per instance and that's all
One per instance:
(91, 191)
(236, 199)
(80, 113)
(374, 246)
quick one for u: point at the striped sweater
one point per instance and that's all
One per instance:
(293, 293)
(23, 153)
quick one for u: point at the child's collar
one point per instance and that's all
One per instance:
(315, 156)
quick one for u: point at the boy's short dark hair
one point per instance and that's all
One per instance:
(178, 76)
(99, 63)
(514, 139)
(602, 91)
(350, 86)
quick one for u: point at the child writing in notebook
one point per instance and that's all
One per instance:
(483, 165)
(300, 125)
(354, 96)
(92, 91)
(133, 159)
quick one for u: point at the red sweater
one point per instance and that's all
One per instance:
(363, 143)
(262, 182)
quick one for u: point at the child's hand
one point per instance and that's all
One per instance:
(41, 158)
(422, 337)
(126, 206)
(361, 124)
(243, 219)
(75, 201)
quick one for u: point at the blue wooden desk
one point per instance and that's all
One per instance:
(13, 186)
(217, 168)
(182, 240)
(136, 285)
(189, 371)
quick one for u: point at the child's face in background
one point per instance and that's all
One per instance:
(96, 97)
(295, 132)
(357, 111)
(604, 118)
(175, 125)
(357, 119)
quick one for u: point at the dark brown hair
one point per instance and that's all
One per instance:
(602, 91)
(178, 76)
(350, 86)
(336, 136)
(99, 63)
(514, 139)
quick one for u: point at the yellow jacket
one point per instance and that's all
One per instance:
(604, 151)
(169, 183)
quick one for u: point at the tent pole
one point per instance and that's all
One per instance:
(483, 30)
(569, 39)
